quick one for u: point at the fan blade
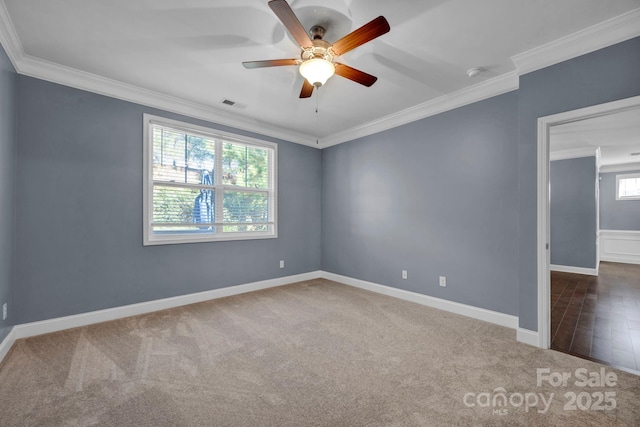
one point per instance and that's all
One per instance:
(291, 22)
(362, 35)
(307, 89)
(355, 75)
(270, 63)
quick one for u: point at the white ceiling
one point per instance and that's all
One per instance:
(617, 135)
(192, 50)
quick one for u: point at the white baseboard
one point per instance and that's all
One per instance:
(58, 324)
(620, 246)
(6, 343)
(528, 337)
(576, 270)
(453, 307)
(618, 259)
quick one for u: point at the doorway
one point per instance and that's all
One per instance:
(545, 124)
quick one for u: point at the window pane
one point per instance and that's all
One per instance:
(168, 154)
(194, 172)
(179, 157)
(200, 160)
(245, 166)
(245, 207)
(629, 187)
(175, 208)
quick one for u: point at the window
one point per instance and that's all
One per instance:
(204, 185)
(628, 187)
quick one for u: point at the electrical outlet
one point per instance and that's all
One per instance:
(404, 274)
(443, 281)
(4, 311)
(281, 263)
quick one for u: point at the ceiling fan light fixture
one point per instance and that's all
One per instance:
(317, 71)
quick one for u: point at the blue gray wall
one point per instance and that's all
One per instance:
(602, 76)
(8, 143)
(456, 210)
(573, 212)
(617, 214)
(79, 204)
(436, 197)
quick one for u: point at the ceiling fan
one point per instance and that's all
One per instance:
(316, 63)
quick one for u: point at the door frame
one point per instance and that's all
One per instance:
(597, 190)
(543, 231)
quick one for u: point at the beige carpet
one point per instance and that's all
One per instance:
(316, 353)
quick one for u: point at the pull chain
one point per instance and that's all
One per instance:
(317, 119)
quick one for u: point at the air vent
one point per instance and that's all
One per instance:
(234, 104)
(635, 154)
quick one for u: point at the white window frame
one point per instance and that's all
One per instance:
(625, 176)
(150, 238)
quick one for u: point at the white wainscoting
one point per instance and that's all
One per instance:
(620, 246)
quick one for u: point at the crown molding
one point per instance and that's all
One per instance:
(67, 76)
(573, 153)
(46, 70)
(624, 167)
(8, 36)
(489, 88)
(603, 34)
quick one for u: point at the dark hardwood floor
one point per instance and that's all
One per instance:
(598, 318)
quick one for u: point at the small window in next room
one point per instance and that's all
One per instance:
(628, 187)
(202, 185)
